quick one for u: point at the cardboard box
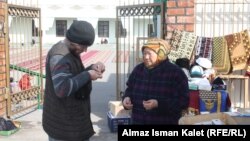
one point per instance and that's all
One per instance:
(117, 110)
(199, 119)
(241, 120)
(241, 116)
(113, 122)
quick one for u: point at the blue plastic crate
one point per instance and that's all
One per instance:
(113, 122)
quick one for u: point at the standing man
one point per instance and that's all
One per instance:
(157, 90)
(66, 111)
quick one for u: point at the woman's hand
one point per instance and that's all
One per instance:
(127, 103)
(150, 104)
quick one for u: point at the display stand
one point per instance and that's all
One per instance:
(246, 89)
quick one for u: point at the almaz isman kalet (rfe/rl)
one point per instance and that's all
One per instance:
(184, 132)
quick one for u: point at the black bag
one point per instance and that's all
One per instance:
(6, 125)
(2, 124)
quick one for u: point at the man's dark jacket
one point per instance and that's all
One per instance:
(67, 118)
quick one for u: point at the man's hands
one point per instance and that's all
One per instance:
(94, 74)
(99, 67)
(96, 71)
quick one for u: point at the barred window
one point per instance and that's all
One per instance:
(61, 28)
(103, 28)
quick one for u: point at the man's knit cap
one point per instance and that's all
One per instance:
(81, 32)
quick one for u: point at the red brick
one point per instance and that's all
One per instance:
(2, 104)
(3, 83)
(189, 27)
(176, 11)
(2, 98)
(2, 4)
(171, 27)
(185, 19)
(185, 3)
(2, 111)
(2, 54)
(2, 69)
(171, 4)
(2, 12)
(171, 19)
(2, 62)
(2, 76)
(189, 11)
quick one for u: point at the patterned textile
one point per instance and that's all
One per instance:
(186, 47)
(213, 101)
(175, 39)
(239, 49)
(220, 56)
(204, 47)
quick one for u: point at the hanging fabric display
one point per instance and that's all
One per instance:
(239, 49)
(204, 47)
(220, 56)
(175, 40)
(185, 48)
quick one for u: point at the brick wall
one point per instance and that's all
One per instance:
(3, 77)
(179, 15)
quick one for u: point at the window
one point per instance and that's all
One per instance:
(34, 29)
(61, 28)
(103, 28)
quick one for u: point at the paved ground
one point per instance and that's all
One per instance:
(103, 92)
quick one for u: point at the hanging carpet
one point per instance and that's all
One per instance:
(184, 48)
(220, 56)
(239, 49)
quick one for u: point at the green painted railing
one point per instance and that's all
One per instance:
(14, 67)
(32, 73)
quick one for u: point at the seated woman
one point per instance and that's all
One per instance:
(184, 64)
(206, 65)
(202, 74)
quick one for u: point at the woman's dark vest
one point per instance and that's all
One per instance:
(67, 118)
